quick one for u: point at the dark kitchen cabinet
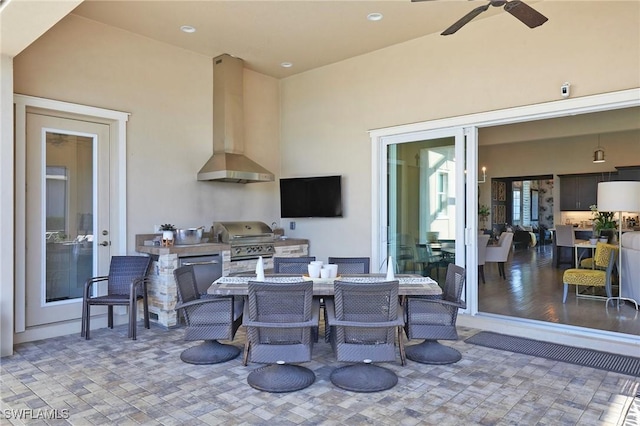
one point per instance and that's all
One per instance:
(629, 173)
(578, 192)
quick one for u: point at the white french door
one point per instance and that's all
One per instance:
(67, 214)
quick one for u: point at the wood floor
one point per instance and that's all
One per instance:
(533, 289)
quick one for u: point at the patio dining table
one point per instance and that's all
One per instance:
(409, 284)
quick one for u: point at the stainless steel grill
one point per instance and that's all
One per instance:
(248, 240)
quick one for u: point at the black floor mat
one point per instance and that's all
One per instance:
(586, 357)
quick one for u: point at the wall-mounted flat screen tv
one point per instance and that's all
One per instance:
(319, 196)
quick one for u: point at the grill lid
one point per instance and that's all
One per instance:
(238, 232)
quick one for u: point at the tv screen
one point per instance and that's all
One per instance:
(311, 197)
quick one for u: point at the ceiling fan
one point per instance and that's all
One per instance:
(525, 13)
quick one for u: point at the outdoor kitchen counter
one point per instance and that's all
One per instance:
(203, 248)
(283, 242)
(185, 250)
(180, 250)
(162, 286)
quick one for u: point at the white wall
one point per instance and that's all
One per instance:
(492, 64)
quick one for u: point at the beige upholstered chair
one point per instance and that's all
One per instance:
(565, 237)
(500, 252)
(483, 240)
(606, 257)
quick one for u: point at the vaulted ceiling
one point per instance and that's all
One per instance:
(307, 34)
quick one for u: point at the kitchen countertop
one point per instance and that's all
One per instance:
(190, 249)
(286, 241)
(199, 249)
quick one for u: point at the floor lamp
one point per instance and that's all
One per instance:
(619, 196)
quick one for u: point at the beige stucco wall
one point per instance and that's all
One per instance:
(168, 92)
(493, 64)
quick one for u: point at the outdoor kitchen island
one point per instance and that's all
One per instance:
(162, 286)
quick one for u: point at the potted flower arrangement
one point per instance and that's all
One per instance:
(168, 231)
(483, 212)
(603, 224)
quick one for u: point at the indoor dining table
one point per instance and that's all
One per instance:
(409, 284)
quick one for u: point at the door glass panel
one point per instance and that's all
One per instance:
(421, 185)
(68, 215)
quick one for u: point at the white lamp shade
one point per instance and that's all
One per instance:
(619, 196)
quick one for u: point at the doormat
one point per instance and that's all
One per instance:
(580, 356)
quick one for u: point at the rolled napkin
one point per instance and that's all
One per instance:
(260, 269)
(390, 275)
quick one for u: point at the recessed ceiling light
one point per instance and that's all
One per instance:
(187, 29)
(286, 65)
(375, 16)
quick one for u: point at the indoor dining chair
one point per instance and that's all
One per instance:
(483, 240)
(565, 238)
(499, 253)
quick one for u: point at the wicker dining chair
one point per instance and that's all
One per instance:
(279, 319)
(292, 265)
(434, 319)
(126, 284)
(364, 320)
(207, 318)
(351, 265)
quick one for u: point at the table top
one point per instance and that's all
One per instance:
(410, 285)
(587, 244)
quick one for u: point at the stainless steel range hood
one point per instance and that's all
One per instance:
(228, 163)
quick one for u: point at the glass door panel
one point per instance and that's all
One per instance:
(421, 207)
(68, 215)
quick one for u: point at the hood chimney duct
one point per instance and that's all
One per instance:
(228, 163)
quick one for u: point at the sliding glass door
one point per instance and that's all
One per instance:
(422, 202)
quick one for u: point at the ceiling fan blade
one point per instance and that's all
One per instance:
(465, 19)
(525, 13)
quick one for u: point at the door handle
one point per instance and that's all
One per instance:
(105, 243)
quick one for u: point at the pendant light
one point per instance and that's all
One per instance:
(598, 154)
